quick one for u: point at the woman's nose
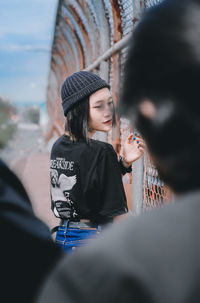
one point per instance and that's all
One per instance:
(108, 111)
(108, 114)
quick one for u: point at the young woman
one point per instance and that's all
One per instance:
(86, 176)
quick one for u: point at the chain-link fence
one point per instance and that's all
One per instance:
(150, 3)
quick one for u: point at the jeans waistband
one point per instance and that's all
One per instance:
(79, 224)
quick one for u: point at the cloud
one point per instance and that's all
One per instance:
(33, 84)
(26, 33)
(27, 47)
(24, 89)
(24, 17)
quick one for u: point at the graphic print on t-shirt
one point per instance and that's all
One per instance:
(63, 206)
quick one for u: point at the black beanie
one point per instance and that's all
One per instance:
(79, 85)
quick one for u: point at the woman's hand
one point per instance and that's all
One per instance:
(132, 149)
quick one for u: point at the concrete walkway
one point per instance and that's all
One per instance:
(34, 173)
(28, 156)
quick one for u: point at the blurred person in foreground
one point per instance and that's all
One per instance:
(28, 253)
(154, 257)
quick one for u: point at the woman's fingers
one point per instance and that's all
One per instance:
(136, 134)
(138, 140)
(130, 137)
(141, 144)
(133, 138)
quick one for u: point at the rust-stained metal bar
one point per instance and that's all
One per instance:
(117, 47)
(115, 72)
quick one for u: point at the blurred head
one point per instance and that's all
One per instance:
(87, 105)
(161, 89)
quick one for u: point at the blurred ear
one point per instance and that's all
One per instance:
(159, 112)
(147, 109)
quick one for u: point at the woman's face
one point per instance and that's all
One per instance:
(100, 111)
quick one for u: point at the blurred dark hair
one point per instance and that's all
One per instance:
(163, 66)
(77, 120)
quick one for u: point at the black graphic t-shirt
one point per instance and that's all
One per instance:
(86, 181)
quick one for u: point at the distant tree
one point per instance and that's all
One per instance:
(7, 126)
(32, 114)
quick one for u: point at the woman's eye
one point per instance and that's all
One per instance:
(99, 106)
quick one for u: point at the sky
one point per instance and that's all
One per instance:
(26, 35)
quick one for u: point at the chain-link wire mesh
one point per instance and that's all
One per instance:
(127, 11)
(150, 3)
(155, 191)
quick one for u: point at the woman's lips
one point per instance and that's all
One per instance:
(108, 122)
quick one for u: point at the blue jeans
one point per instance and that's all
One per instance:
(69, 238)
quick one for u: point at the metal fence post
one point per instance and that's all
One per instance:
(137, 186)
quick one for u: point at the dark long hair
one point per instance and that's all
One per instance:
(163, 66)
(77, 121)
